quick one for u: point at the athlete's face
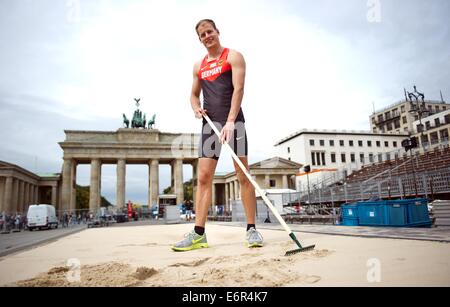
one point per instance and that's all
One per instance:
(208, 35)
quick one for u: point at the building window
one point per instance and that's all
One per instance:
(444, 108)
(322, 143)
(444, 135)
(404, 120)
(394, 144)
(389, 126)
(397, 123)
(387, 115)
(424, 140)
(313, 158)
(360, 143)
(350, 143)
(331, 142)
(371, 158)
(386, 144)
(447, 119)
(352, 158)
(380, 157)
(374, 130)
(437, 109)
(323, 158)
(373, 120)
(437, 122)
(388, 156)
(311, 142)
(369, 143)
(419, 128)
(434, 138)
(427, 125)
(402, 108)
(341, 143)
(333, 158)
(273, 183)
(343, 158)
(361, 157)
(380, 118)
(378, 144)
(430, 108)
(289, 149)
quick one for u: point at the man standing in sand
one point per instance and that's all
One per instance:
(221, 77)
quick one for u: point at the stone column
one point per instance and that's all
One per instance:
(94, 195)
(21, 197)
(213, 201)
(153, 183)
(15, 200)
(35, 194)
(177, 171)
(73, 192)
(2, 193)
(7, 200)
(121, 183)
(236, 190)
(66, 185)
(267, 182)
(285, 182)
(232, 195)
(227, 199)
(31, 197)
(28, 196)
(54, 195)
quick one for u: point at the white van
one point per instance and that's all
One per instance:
(41, 216)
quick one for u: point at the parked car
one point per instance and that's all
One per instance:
(41, 216)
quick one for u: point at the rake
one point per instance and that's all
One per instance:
(263, 195)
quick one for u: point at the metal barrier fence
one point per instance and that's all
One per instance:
(426, 184)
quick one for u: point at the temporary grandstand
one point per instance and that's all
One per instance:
(420, 173)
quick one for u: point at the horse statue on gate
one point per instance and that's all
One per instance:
(139, 120)
(151, 122)
(126, 122)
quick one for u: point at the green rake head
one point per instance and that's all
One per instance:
(300, 249)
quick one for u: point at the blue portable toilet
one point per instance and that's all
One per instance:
(372, 213)
(350, 215)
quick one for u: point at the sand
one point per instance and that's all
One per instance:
(141, 256)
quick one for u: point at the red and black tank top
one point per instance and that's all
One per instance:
(217, 85)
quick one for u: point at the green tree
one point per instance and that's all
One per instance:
(187, 190)
(82, 198)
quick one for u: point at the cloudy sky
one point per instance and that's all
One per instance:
(78, 64)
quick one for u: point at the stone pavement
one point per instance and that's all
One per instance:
(18, 241)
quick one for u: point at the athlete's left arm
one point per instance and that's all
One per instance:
(237, 62)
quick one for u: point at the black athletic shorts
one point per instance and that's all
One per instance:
(210, 146)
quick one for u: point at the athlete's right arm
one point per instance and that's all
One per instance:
(195, 93)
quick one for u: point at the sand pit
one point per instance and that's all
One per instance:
(141, 256)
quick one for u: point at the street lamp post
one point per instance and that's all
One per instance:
(307, 170)
(418, 107)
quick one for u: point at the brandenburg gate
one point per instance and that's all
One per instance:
(126, 146)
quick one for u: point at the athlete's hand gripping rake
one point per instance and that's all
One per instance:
(263, 195)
